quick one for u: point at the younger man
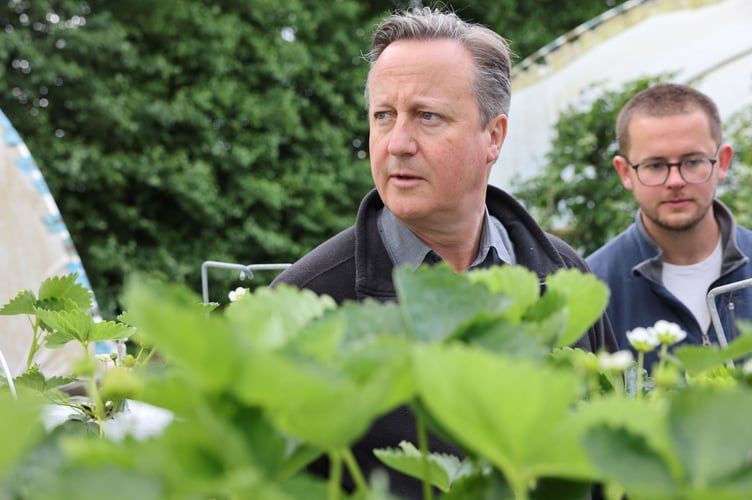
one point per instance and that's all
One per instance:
(683, 241)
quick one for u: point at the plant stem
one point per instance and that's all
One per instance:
(148, 356)
(664, 353)
(94, 395)
(423, 445)
(617, 382)
(34, 347)
(96, 399)
(593, 386)
(354, 468)
(520, 489)
(335, 474)
(640, 362)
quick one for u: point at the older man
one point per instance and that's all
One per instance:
(438, 95)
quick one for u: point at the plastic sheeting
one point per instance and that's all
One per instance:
(34, 245)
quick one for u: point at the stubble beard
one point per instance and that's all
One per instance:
(670, 224)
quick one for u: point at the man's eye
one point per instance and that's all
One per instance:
(379, 115)
(658, 165)
(426, 115)
(693, 162)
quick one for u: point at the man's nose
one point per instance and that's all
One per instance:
(402, 138)
(674, 176)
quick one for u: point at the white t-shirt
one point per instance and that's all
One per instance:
(690, 284)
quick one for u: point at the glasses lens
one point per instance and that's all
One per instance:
(692, 170)
(653, 174)
(696, 170)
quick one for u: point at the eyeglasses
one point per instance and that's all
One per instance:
(692, 170)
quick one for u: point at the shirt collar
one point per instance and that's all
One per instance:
(404, 247)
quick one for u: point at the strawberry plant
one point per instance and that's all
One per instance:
(261, 388)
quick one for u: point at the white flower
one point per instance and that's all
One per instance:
(668, 333)
(237, 293)
(643, 339)
(139, 420)
(747, 368)
(105, 359)
(54, 415)
(615, 362)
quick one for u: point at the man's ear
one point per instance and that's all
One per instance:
(725, 153)
(622, 168)
(497, 130)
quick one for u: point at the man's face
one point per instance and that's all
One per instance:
(675, 205)
(430, 156)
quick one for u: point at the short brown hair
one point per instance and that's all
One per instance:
(667, 99)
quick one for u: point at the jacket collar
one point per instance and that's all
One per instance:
(733, 258)
(373, 267)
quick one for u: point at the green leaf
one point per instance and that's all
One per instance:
(644, 417)
(57, 304)
(66, 287)
(172, 319)
(66, 326)
(110, 330)
(443, 469)
(547, 319)
(370, 318)
(292, 389)
(37, 381)
(738, 484)
(295, 460)
(23, 303)
(271, 318)
(436, 302)
(698, 358)
(463, 386)
(711, 432)
(515, 340)
(290, 392)
(518, 283)
(627, 458)
(322, 338)
(56, 294)
(489, 485)
(586, 298)
(19, 429)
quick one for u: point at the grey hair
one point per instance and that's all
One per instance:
(492, 83)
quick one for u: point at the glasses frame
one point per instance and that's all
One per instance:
(677, 164)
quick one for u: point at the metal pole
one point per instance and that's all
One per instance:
(8, 375)
(246, 271)
(710, 300)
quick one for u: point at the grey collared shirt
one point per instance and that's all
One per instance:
(405, 248)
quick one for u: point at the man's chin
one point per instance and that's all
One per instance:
(677, 224)
(407, 210)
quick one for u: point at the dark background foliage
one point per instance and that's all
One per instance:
(176, 132)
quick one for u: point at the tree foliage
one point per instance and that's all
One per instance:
(171, 133)
(175, 132)
(736, 190)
